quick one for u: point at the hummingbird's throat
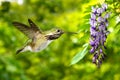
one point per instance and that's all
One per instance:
(52, 37)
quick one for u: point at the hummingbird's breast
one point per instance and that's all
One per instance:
(41, 43)
(43, 46)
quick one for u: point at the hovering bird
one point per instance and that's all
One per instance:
(39, 40)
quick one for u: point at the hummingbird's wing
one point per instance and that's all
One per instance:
(30, 32)
(34, 26)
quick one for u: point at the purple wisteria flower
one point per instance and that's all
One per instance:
(98, 32)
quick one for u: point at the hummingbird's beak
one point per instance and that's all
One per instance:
(71, 32)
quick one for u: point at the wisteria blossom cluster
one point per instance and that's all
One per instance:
(98, 32)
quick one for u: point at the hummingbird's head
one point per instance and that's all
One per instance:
(55, 34)
(58, 32)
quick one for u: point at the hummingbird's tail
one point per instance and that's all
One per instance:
(20, 50)
(25, 48)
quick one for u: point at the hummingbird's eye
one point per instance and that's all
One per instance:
(58, 30)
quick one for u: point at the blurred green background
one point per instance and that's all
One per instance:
(53, 63)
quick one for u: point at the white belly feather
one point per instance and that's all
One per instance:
(39, 48)
(43, 46)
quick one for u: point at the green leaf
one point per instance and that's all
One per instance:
(117, 24)
(79, 56)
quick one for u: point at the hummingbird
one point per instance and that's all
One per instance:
(39, 40)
